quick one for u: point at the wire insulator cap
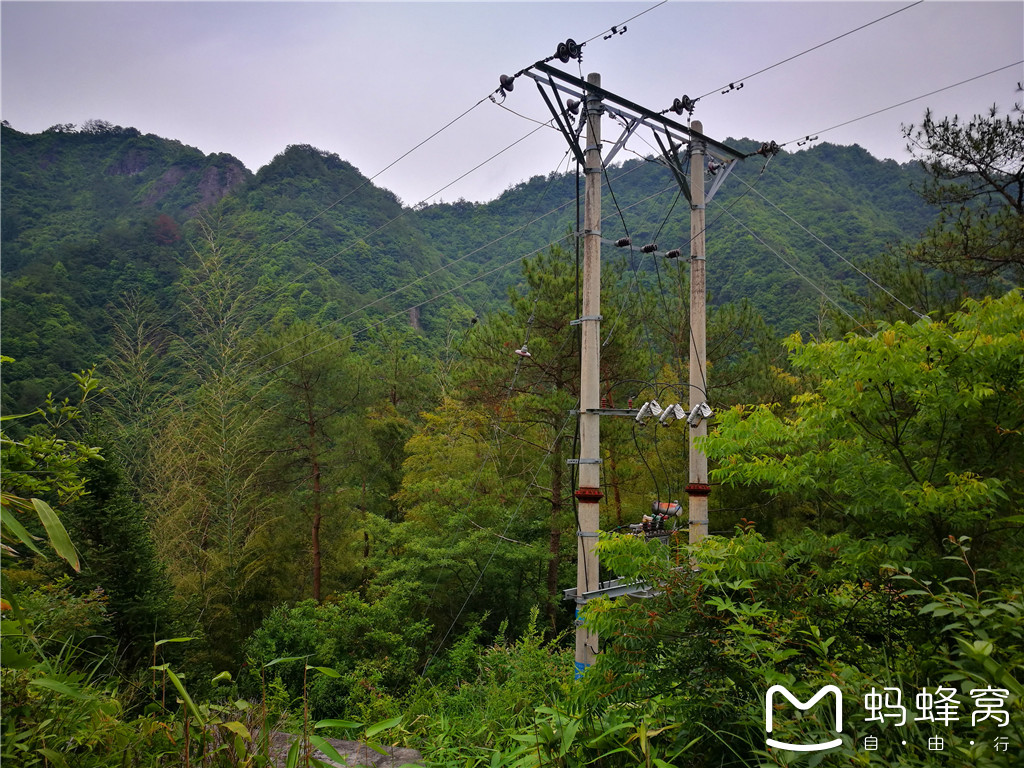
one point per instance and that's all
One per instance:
(675, 253)
(684, 104)
(622, 242)
(507, 83)
(649, 248)
(573, 106)
(570, 49)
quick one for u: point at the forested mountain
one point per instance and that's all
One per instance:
(322, 478)
(91, 215)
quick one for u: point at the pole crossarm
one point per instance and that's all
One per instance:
(629, 110)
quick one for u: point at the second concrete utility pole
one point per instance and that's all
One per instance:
(698, 488)
(589, 492)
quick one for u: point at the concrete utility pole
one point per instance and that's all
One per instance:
(698, 487)
(671, 136)
(589, 492)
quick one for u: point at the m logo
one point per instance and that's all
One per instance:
(801, 705)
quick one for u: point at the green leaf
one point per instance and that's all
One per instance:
(326, 671)
(174, 640)
(11, 659)
(337, 724)
(293, 754)
(237, 728)
(53, 757)
(383, 725)
(568, 736)
(176, 681)
(10, 417)
(283, 660)
(58, 535)
(10, 522)
(59, 687)
(223, 676)
(321, 743)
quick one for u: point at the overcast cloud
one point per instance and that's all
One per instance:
(369, 81)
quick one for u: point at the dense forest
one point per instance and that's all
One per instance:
(271, 463)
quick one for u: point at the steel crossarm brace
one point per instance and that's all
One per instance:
(574, 143)
(719, 179)
(672, 161)
(648, 117)
(631, 126)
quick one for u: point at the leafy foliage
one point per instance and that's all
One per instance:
(269, 435)
(910, 435)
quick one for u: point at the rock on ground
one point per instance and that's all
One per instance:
(356, 754)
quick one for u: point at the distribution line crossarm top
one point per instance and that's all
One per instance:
(625, 107)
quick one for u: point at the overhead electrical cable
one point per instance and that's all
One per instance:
(866, 276)
(402, 288)
(908, 101)
(407, 210)
(405, 311)
(633, 265)
(494, 422)
(351, 192)
(565, 51)
(784, 261)
(741, 80)
(443, 267)
(494, 551)
(549, 124)
(440, 130)
(383, 226)
(622, 23)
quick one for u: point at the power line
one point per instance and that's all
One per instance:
(868, 277)
(511, 519)
(783, 260)
(461, 258)
(741, 80)
(306, 223)
(622, 23)
(414, 306)
(909, 101)
(439, 269)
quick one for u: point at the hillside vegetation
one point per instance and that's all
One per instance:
(271, 461)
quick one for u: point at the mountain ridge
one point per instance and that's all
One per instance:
(120, 210)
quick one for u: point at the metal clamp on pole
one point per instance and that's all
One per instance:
(586, 318)
(582, 461)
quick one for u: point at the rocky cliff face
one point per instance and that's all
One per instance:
(219, 180)
(121, 168)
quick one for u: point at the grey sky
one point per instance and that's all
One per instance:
(371, 80)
